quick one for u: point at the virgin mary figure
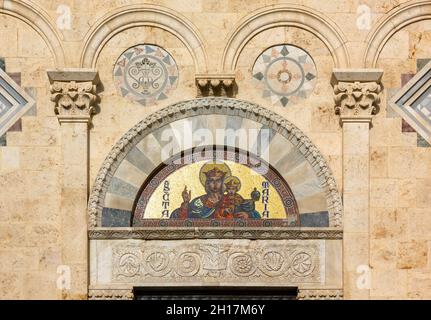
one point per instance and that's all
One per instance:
(212, 176)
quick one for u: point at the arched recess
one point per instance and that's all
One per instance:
(37, 19)
(138, 153)
(142, 15)
(286, 15)
(391, 23)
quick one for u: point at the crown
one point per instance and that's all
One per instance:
(214, 172)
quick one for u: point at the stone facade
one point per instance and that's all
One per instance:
(347, 141)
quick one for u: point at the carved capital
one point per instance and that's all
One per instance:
(219, 85)
(357, 94)
(74, 93)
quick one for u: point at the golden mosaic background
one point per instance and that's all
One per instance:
(189, 176)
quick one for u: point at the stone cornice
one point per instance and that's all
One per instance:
(74, 93)
(357, 93)
(214, 233)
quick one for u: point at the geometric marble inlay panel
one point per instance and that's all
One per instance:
(146, 74)
(413, 102)
(286, 74)
(14, 102)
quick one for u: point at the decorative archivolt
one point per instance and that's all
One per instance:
(131, 16)
(207, 106)
(286, 15)
(391, 23)
(36, 18)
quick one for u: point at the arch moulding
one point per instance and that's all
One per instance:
(131, 16)
(391, 23)
(207, 106)
(39, 21)
(282, 16)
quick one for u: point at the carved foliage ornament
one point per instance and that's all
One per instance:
(73, 98)
(357, 99)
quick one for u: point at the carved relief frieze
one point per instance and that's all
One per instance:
(295, 262)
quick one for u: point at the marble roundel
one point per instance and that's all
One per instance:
(146, 74)
(285, 74)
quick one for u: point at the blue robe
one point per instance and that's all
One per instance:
(198, 210)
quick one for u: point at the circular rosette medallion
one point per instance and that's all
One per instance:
(146, 74)
(128, 265)
(273, 263)
(242, 264)
(285, 74)
(188, 264)
(302, 264)
(157, 263)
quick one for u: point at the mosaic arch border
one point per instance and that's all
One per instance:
(38, 20)
(276, 16)
(131, 16)
(391, 23)
(213, 105)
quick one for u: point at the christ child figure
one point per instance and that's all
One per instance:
(231, 199)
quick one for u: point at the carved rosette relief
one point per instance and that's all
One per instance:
(296, 262)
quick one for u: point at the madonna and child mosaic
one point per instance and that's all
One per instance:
(286, 74)
(221, 189)
(145, 74)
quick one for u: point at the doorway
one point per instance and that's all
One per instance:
(215, 293)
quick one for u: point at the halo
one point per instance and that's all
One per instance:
(233, 178)
(211, 165)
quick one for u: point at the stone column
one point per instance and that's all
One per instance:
(74, 94)
(357, 98)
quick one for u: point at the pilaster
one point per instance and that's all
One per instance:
(74, 94)
(357, 99)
